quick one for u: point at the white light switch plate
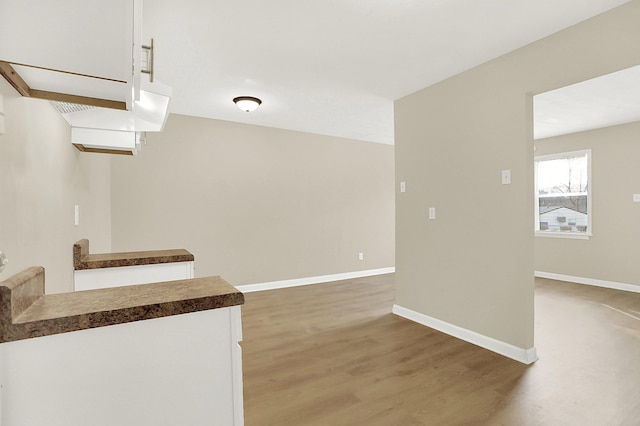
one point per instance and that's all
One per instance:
(2, 131)
(432, 212)
(636, 198)
(403, 187)
(76, 215)
(506, 177)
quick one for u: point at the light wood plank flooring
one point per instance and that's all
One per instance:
(334, 354)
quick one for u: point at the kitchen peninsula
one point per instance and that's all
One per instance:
(93, 271)
(163, 353)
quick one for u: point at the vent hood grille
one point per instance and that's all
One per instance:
(67, 108)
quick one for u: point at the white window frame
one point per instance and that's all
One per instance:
(556, 234)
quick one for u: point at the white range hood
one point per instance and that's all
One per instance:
(114, 131)
(148, 114)
(105, 141)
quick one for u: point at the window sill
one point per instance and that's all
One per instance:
(567, 235)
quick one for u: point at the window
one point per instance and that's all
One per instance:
(563, 194)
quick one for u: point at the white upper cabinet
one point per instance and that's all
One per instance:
(90, 37)
(74, 47)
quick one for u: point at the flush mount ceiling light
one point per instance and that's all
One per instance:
(247, 103)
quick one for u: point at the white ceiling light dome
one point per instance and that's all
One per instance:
(247, 103)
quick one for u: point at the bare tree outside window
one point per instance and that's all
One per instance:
(562, 192)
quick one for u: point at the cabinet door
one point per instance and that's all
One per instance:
(81, 38)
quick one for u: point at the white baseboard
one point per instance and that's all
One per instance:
(248, 288)
(589, 281)
(525, 356)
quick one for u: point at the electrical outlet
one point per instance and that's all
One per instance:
(360, 256)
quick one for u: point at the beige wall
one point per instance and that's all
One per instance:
(473, 266)
(256, 204)
(612, 253)
(42, 177)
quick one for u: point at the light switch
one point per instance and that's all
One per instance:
(76, 215)
(506, 177)
(403, 187)
(636, 198)
(432, 212)
(1, 116)
(3, 261)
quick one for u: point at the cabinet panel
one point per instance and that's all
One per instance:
(90, 279)
(51, 81)
(179, 370)
(92, 37)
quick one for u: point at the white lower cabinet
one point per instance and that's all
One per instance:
(91, 279)
(178, 370)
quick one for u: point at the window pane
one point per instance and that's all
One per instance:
(562, 193)
(566, 214)
(562, 175)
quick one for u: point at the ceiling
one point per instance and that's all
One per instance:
(334, 67)
(608, 100)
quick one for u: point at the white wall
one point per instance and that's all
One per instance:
(612, 253)
(42, 177)
(253, 204)
(473, 266)
(257, 204)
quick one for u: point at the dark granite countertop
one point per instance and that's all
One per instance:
(83, 260)
(26, 312)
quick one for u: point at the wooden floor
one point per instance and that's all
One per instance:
(334, 354)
